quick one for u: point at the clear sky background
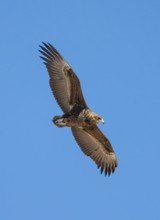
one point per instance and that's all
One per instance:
(114, 48)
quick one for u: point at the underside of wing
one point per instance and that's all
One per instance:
(64, 83)
(95, 145)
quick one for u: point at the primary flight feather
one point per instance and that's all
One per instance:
(66, 89)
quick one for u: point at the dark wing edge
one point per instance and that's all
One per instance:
(64, 83)
(95, 145)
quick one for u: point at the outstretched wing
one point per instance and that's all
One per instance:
(64, 83)
(94, 144)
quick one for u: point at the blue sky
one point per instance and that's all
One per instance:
(114, 48)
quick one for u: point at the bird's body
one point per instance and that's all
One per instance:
(67, 91)
(83, 118)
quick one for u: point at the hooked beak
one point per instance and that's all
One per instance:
(102, 120)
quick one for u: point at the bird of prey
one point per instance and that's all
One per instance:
(66, 89)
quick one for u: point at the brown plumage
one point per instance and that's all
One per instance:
(67, 91)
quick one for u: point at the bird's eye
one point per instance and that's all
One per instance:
(99, 118)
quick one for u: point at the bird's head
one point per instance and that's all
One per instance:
(95, 118)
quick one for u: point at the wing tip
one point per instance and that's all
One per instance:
(49, 48)
(108, 169)
(48, 51)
